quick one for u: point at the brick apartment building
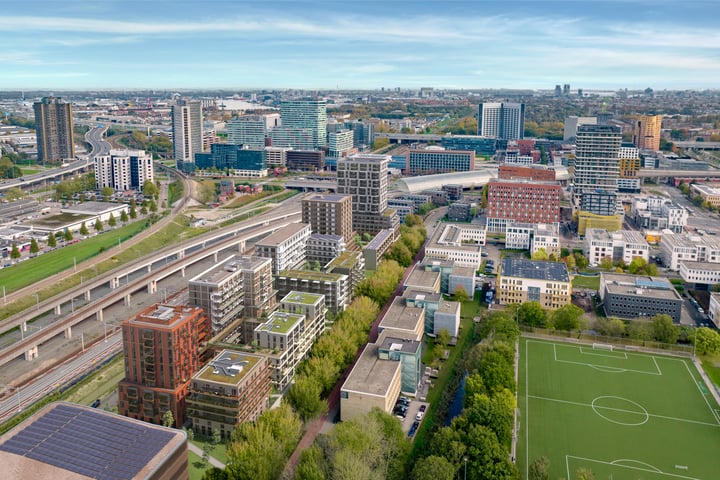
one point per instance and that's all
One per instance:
(522, 202)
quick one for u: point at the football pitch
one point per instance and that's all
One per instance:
(623, 415)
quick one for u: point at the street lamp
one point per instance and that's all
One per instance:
(465, 459)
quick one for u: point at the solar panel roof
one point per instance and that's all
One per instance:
(89, 442)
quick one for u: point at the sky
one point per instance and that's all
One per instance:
(358, 44)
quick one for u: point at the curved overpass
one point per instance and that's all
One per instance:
(181, 256)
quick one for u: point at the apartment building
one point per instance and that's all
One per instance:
(651, 212)
(620, 245)
(286, 247)
(522, 201)
(677, 248)
(323, 248)
(520, 281)
(461, 243)
(334, 286)
(123, 170)
(233, 388)
(533, 237)
(329, 214)
(434, 160)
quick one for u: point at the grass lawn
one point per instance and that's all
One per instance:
(621, 414)
(99, 384)
(218, 452)
(712, 368)
(197, 468)
(581, 281)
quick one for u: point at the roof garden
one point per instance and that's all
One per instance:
(302, 297)
(228, 367)
(280, 322)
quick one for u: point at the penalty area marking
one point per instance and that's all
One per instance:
(623, 463)
(599, 367)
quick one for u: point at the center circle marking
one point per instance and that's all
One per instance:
(641, 411)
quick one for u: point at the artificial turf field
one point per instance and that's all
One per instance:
(621, 414)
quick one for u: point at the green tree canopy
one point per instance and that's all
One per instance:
(83, 229)
(34, 247)
(433, 468)
(568, 317)
(707, 341)
(51, 241)
(14, 252)
(532, 314)
(664, 330)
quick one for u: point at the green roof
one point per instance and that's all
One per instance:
(346, 259)
(302, 297)
(280, 322)
(217, 370)
(311, 275)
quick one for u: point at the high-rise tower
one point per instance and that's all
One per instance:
(647, 132)
(597, 160)
(310, 114)
(187, 128)
(505, 121)
(54, 125)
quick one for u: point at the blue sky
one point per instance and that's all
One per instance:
(233, 44)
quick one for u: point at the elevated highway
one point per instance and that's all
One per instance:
(153, 268)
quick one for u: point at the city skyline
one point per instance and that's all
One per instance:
(345, 45)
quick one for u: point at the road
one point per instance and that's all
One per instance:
(94, 137)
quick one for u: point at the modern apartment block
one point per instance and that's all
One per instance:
(479, 145)
(233, 388)
(533, 237)
(520, 281)
(638, 296)
(376, 248)
(597, 158)
(505, 121)
(334, 286)
(601, 202)
(329, 214)
(249, 131)
(340, 143)
(365, 178)
(350, 263)
(237, 159)
(323, 248)
(286, 247)
(123, 170)
(573, 122)
(162, 352)
(306, 114)
(187, 128)
(289, 336)
(461, 243)
(54, 127)
(437, 160)
(679, 248)
(522, 201)
(647, 132)
(238, 286)
(621, 245)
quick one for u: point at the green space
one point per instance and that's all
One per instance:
(616, 413)
(581, 281)
(197, 467)
(712, 368)
(31, 171)
(99, 385)
(217, 451)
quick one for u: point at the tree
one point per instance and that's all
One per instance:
(83, 229)
(532, 314)
(442, 338)
(168, 419)
(14, 252)
(381, 142)
(612, 327)
(68, 235)
(51, 241)
(433, 468)
(107, 192)
(664, 330)
(143, 210)
(124, 217)
(215, 437)
(149, 189)
(707, 341)
(567, 317)
(304, 397)
(541, 254)
(133, 213)
(215, 474)
(640, 330)
(12, 194)
(539, 469)
(581, 261)
(461, 295)
(98, 225)
(111, 221)
(153, 206)
(606, 263)
(34, 247)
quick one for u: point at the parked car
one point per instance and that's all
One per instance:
(421, 413)
(413, 428)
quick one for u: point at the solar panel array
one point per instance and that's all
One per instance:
(89, 442)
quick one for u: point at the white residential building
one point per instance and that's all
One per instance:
(700, 272)
(123, 170)
(340, 143)
(460, 243)
(286, 247)
(656, 213)
(620, 245)
(533, 237)
(677, 248)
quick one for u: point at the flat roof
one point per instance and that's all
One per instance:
(72, 442)
(538, 270)
(463, 271)
(94, 208)
(416, 294)
(379, 238)
(347, 259)
(280, 322)
(331, 197)
(707, 266)
(370, 375)
(282, 234)
(312, 275)
(448, 235)
(449, 307)
(228, 367)
(402, 317)
(229, 267)
(60, 220)
(161, 316)
(302, 297)
(423, 278)
(388, 341)
(639, 286)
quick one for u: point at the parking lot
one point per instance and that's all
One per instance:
(410, 420)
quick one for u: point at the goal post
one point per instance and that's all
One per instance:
(602, 346)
